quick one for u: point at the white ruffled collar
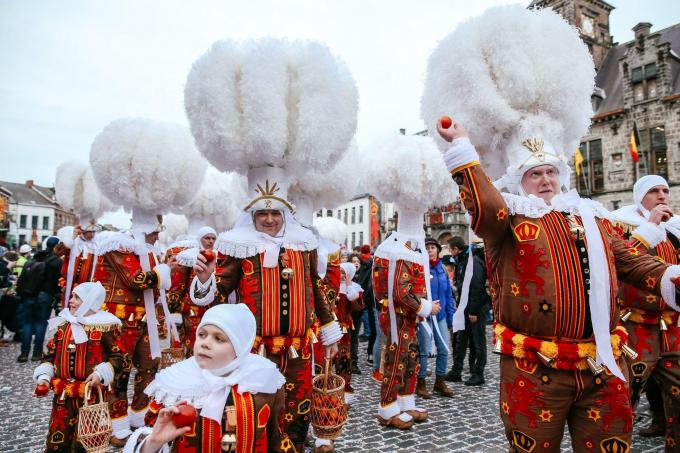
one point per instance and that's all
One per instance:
(534, 207)
(243, 241)
(101, 318)
(124, 243)
(631, 215)
(187, 381)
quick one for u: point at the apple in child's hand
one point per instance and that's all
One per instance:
(186, 416)
(209, 256)
(445, 121)
(41, 389)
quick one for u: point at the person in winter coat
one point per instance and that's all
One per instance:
(475, 324)
(441, 291)
(37, 286)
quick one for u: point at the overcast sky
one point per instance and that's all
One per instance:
(70, 67)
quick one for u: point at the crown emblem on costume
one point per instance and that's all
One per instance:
(527, 231)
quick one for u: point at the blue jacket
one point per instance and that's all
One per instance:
(441, 290)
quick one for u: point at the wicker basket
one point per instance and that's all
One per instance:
(329, 413)
(94, 423)
(170, 356)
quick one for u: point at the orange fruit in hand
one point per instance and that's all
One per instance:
(186, 417)
(445, 121)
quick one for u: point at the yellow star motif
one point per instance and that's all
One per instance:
(502, 213)
(290, 386)
(594, 414)
(675, 390)
(651, 298)
(651, 281)
(493, 292)
(462, 196)
(514, 289)
(545, 415)
(505, 407)
(634, 251)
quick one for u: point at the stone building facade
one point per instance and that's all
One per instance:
(637, 83)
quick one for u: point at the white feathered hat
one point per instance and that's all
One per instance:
(270, 109)
(328, 188)
(76, 190)
(331, 228)
(219, 201)
(409, 171)
(520, 80)
(147, 166)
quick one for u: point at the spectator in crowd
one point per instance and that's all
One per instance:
(24, 256)
(364, 279)
(441, 291)
(9, 302)
(475, 321)
(37, 286)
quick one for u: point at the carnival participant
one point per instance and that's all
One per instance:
(131, 293)
(554, 259)
(350, 301)
(84, 348)
(651, 227)
(272, 263)
(77, 247)
(238, 395)
(401, 266)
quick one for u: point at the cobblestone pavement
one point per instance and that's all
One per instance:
(468, 422)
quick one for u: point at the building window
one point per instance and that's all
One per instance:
(22, 221)
(345, 216)
(361, 214)
(46, 223)
(616, 204)
(354, 240)
(43, 239)
(652, 152)
(354, 215)
(339, 214)
(591, 178)
(22, 239)
(329, 213)
(361, 238)
(34, 222)
(643, 79)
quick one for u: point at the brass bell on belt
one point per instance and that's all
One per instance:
(287, 273)
(595, 367)
(229, 443)
(629, 352)
(662, 325)
(547, 361)
(626, 316)
(292, 352)
(131, 317)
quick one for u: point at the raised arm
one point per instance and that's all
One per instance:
(482, 200)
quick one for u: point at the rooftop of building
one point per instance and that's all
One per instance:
(610, 79)
(29, 193)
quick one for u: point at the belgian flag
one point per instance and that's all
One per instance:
(634, 143)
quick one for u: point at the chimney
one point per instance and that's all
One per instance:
(29, 183)
(402, 131)
(641, 31)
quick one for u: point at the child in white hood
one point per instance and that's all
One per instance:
(238, 395)
(84, 347)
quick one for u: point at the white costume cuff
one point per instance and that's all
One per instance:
(460, 154)
(163, 272)
(425, 308)
(352, 294)
(187, 257)
(105, 371)
(134, 443)
(137, 418)
(121, 427)
(330, 333)
(650, 234)
(202, 294)
(43, 371)
(668, 288)
(387, 412)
